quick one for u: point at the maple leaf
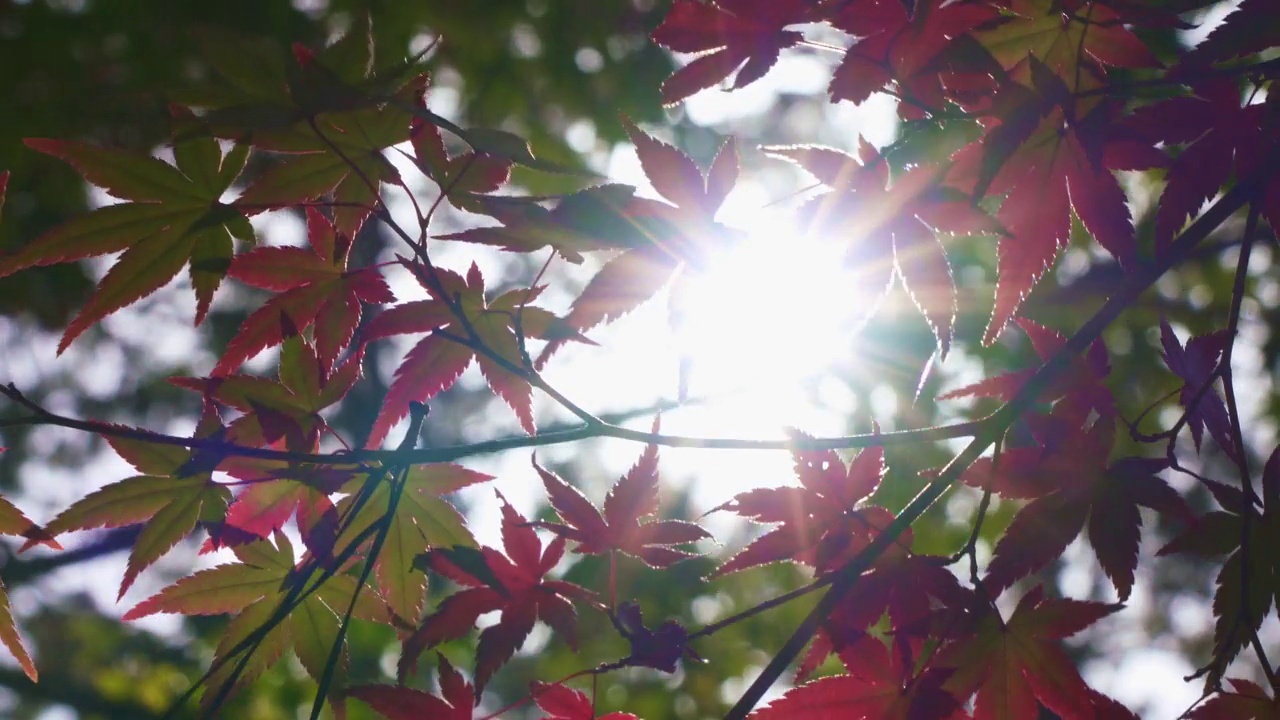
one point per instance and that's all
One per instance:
(1220, 532)
(589, 220)
(900, 46)
(436, 362)
(285, 411)
(1248, 702)
(891, 231)
(727, 35)
(422, 519)
(820, 522)
(877, 686)
(266, 506)
(1047, 163)
(253, 590)
(171, 216)
(168, 497)
(564, 703)
(396, 702)
(633, 497)
(332, 123)
(340, 157)
(514, 584)
(1220, 134)
(1012, 664)
(903, 586)
(1072, 38)
(14, 522)
(1074, 487)
(687, 229)
(652, 240)
(253, 91)
(1196, 364)
(1081, 386)
(1252, 27)
(457, 176)
(314, 288)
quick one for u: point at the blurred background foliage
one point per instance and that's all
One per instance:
(559, 72)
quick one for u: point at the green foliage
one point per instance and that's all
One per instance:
(412, 138)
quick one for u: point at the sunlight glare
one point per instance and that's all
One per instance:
(775, 311)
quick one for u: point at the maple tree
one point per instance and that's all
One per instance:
(1040, 119)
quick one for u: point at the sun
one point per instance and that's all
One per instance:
(777, 310)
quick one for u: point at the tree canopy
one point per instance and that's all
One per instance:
(578, 360)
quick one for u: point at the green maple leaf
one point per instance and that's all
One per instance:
(329, 111)
(254, 589)
(1074, 42)
(166, 497)
(337, 154)
(13, 522)
(421, 519)
(284, 411)
(172, 217)
(1220, 532)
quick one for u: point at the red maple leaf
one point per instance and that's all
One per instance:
(457, 176)
(877, 686)
(633, 497)
(682, 232)
(1196, 364)
(1013, 663)
(727, 34)
(436, 362)
(901, 47)
(397, 702)
(819, 523)
(564, 703)
(1047, 162)
(1074, 487)
(1221, 134)
(513, 584)
(283, 412)
(904, 586)
(1081, 385)
(892, 229)
(315, 288)
(1248, 702)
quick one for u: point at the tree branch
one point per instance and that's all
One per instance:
(988, 433)
(607, 429)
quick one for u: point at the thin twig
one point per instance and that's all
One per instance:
(362, 459)
(1143, 277)
(1241, 457)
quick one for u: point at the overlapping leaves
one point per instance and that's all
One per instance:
(819, 523)
(621, 526)
(170, 217)
(254, 589)
(464, 326)
(1011, 665)
(514, 584)
(1221, 532)
(314, 290)
(1033, 71)
(892, 232)
(174, 493)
